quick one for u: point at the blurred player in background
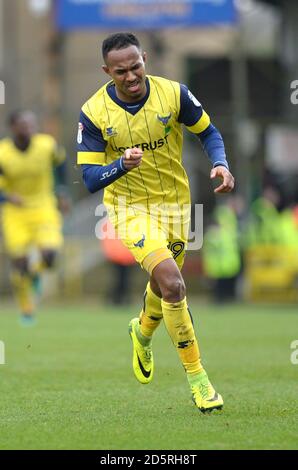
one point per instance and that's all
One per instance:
(30, 217)
(130, 143)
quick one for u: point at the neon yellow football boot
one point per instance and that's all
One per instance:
(204, 395)
(142, 361)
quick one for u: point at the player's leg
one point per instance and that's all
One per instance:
(48, 239)
(17, 238)
(48, 235)
(21, 281)
(141, 329)
(48, 256)
(151, 314)
(143, 237)
(46, 260)
(176, 315)
(154, 249)
(179, 324)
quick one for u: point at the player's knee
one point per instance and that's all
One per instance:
(49, 258)
(173, 290)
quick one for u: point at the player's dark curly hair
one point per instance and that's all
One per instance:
(119, 41)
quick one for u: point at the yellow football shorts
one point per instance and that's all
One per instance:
(24, 228)
(152, 239)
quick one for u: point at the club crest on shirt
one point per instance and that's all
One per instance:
(80, 133)
(164, 120)
(141, 242)
(111, 131)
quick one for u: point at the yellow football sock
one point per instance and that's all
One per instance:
(22, 287)
(151, 315)
(180, 328)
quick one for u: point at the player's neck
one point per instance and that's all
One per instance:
(22, 143)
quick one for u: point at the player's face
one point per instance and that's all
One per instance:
(127, 68)
(25, 126)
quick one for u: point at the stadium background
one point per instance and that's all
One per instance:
(244, 74)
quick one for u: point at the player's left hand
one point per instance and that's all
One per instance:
(227, 178)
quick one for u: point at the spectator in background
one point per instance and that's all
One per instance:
(270, 223)
(221, 249)
(263, 225)
(270, 246)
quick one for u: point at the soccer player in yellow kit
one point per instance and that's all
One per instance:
(30, 217)
(130, 143)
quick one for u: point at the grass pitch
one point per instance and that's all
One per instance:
(68, 382)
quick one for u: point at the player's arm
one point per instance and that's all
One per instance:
(198, 122)
(59, 167)
(213, 145)
(60, 179)
(5, 196)
(91, 155)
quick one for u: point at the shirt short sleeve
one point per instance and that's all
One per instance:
(191, 113)
(90, 142)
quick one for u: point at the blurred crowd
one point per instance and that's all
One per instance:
(252, 251)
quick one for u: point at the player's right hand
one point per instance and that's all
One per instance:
(132, 158)
(15, 199)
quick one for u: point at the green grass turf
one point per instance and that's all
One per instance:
(68, 383)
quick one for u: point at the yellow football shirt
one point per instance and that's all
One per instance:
(29, 173)
(108, 128)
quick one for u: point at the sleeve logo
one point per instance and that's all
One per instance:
(80, 133)
(108, 174)
(194, 99)
(111, 131)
